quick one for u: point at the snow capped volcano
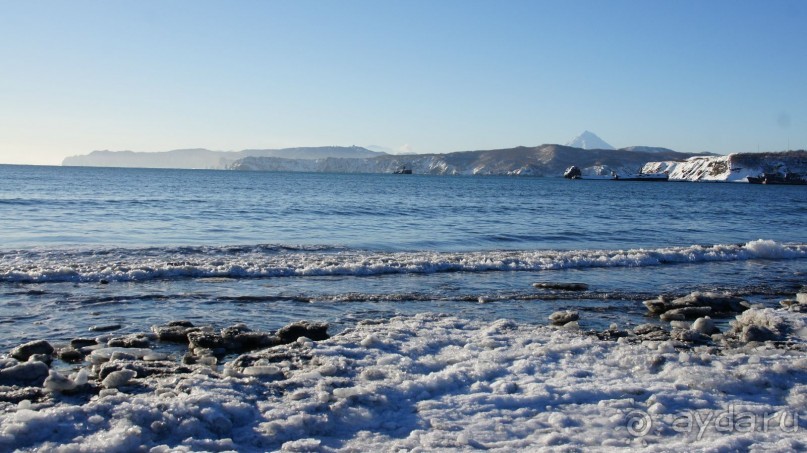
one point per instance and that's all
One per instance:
(589, 140)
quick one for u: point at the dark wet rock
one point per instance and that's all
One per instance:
(561, 286)
(651, 332)
(694, 305)
(180, 323)
(24, 351)
(683, 313)
(70, 355)
(667, 316)
(560, 318)
(719, 303)
(231, 332)
(612, 333)
(656, 306)
(644, 329)
(206, 340)
(130, 341)
(190, 358)
(173, 334)
(79, 343)
(661, 335)
(25, 374)
(312, 330)
(267, 356)
(105, 328)
(104, 281)
(82, 389)
(248, 341)
(16, 394)
(758, 333)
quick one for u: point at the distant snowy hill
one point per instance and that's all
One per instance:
(206, 159)
(544, 160)
(589, 140)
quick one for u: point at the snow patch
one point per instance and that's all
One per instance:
(429, 382)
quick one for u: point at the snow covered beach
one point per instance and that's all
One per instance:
(429, 382)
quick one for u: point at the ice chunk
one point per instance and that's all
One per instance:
(263, 371)
(560, 318)
(117, 379)
(27, 373)
(55, 382)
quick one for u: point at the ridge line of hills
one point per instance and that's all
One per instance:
(201, 158)
(542, 160)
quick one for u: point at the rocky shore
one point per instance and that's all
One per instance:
(424, 381)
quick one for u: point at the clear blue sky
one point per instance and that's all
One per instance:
(430, 76)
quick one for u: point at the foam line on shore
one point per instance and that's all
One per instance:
(39, 266)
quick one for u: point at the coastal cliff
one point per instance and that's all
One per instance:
(733, 167)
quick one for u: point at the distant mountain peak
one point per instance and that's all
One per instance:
(589, 140)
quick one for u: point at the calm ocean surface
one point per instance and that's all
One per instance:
(135, 247)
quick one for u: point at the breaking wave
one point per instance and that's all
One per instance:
(115, 264)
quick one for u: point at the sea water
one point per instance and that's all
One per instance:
(85, 247)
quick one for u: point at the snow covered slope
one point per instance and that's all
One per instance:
(589, 140)
(733, 167)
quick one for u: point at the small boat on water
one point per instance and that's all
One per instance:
(402, 170)
(642, 177)
(790, 179)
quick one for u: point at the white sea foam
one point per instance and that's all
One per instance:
(255, 262)
(431, 382)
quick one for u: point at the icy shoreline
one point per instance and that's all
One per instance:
(437, 382)
(736, 167)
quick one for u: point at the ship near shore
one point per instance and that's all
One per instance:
(791, 179)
